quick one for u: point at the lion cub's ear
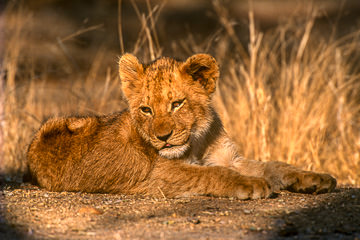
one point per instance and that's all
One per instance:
(130, 70)
(204, 69)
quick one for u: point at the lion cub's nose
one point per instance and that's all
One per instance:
(164, 137)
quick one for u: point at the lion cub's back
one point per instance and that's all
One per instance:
(58, 147)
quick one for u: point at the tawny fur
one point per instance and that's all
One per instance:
(169, 141)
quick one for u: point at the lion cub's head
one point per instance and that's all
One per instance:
(169, 100)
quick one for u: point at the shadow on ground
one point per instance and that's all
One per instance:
(28, 212)
(7, 230)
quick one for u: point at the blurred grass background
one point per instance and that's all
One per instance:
(290, 79)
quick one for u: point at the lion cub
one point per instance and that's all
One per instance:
(169, 141)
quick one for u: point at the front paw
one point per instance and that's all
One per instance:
(253, 188)
(309, 182)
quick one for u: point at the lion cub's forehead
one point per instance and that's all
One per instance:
(162, 80)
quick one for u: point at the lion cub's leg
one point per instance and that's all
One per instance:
(284, 176)
(279, 175)
(177, 179)
(294, 179)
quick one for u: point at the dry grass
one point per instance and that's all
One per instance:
(293, 96)
(297, 100)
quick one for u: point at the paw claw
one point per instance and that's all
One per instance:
(309, 182)
(254, 188)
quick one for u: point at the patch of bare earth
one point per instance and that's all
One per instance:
(27, 212)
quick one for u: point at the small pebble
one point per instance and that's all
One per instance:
(246, 211)
(90, 210)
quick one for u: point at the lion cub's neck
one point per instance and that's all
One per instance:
(213, 146)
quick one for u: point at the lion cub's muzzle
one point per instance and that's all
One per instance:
(172, 145)
(164, 137)
(171, 140)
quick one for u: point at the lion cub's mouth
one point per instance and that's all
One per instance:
(168, 145)
(174, 151)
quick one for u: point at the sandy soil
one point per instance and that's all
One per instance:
(27, 212)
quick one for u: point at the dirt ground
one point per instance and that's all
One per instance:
(27, 212)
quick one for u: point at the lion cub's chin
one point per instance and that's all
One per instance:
(174, 151)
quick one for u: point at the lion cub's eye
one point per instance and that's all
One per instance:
(177, 104)
(146, 110)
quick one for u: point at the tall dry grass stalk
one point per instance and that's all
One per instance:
(293, 96)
